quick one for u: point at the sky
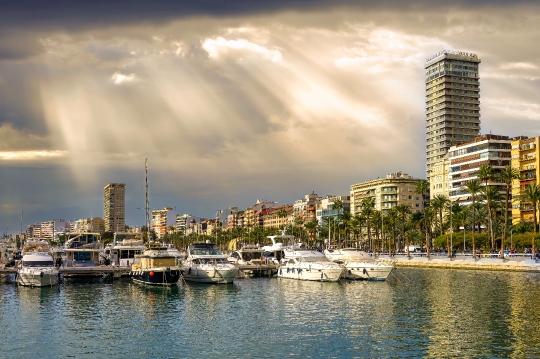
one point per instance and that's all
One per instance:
(236, 101)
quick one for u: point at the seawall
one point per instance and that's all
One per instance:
(469, 263)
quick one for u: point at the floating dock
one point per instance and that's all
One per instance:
(254, 270)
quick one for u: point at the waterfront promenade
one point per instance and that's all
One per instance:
(519, 263)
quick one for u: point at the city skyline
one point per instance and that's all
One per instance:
(235, 104)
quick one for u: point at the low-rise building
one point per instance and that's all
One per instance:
(396, 188)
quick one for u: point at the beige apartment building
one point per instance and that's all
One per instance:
(114, 207)
(439, 179)
(396, 188)
(525, 158)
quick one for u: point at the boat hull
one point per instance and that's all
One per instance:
(367, 271)
(210, 275)
(37, 277)
(157, 276)
(320, 275)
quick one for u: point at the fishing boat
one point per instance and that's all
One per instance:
(155, 266)
(36, 268)
(206, 264)
(359, 264)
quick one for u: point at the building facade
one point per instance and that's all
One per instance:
(439, 179)
(396, 188)
(162, 219)
(114, 207)
(526, 159)
(452, 102)
(466, 159)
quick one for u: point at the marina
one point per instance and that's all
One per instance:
(427, 313)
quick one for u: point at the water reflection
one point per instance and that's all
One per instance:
(420, 313)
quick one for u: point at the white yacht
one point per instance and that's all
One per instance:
(123, 249)
(276, 252)
(359, 264)
(82, 250)
(206, 264)
(309, 265)
(248, 254)
(36, 268)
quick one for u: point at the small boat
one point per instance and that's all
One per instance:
(359, 264)
(206, 264)
(309, 265)
(155, 266)
(36, 268)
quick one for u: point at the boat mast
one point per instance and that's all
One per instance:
(147, 202)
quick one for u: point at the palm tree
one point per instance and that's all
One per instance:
(377, 219)
(485, 174)
(422, 188)
(473, 187)
(282, 213)
(507, 176)
(462, 219)
(429, 215)
(491, 195)
(531, 194)
(367, 209)
(345, 218)
(392, 217)
(403, 211)
(311, 227)
(438, 203)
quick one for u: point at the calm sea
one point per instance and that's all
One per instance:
(419, 313)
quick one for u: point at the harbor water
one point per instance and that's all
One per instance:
(417, 313)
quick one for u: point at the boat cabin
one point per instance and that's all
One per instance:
(83, 250)
(153, 258)
(123, 249)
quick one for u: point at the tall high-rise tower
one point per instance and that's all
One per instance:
(452, 102)
(114, 207)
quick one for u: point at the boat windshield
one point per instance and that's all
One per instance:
(38, 263)
(314, 259)
(210, 261)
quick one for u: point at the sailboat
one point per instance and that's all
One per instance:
(156, 265)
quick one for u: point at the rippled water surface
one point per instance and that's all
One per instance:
(419, 313)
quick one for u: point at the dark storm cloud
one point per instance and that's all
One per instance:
(237, 101)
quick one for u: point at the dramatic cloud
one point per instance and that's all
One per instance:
(235, 103)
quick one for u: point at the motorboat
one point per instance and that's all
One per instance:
(155, 266)
(248, 254)
(123, 249)
(276, 252)
(309, 265)
(36, 268)
(82, 250)
(359, 265)
(206, 264)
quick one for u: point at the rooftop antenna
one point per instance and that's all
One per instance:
(147, 202)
